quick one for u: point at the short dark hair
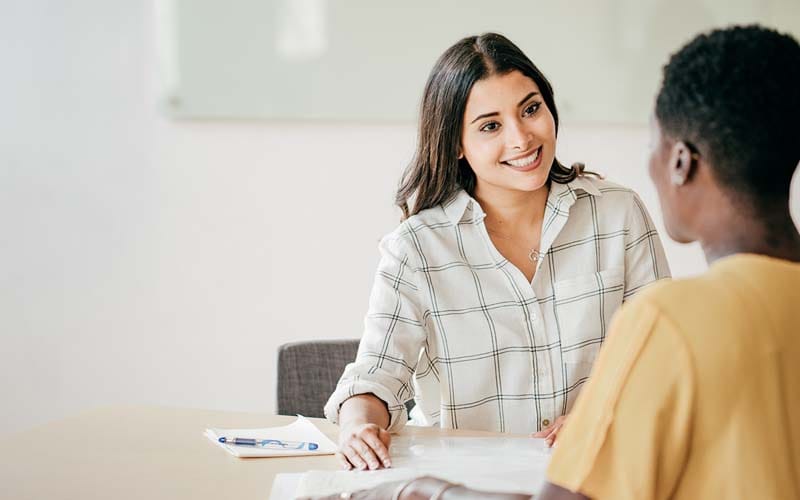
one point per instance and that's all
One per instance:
(435, 173)
(734, 94)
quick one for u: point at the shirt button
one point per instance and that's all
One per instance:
(545, 422)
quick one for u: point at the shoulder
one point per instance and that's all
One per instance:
(669, 295)
(604, 191)
(414, 234)
(615, 205)
(647, 322)
(609, 197)
(460, 207)
(684, 306)
(733, 291)
(426, 220)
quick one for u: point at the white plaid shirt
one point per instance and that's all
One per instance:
(456, 326)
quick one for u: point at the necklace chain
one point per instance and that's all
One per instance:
(534, 255)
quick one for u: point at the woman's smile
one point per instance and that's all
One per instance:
(525, 163)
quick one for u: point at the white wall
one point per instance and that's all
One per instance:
(149, 261)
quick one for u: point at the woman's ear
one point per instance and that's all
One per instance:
(681, 163)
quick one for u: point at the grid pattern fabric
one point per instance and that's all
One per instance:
(456, 326)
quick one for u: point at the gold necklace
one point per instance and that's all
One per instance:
(534, 255)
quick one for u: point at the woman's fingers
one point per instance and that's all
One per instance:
(385, 437)
(544, 432)
(354, 457)
(365, 446)
(551, 437)
(367, 454)
(361, 456)
(346, 465)
(551, 430)
(379, 447)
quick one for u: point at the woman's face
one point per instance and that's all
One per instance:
(509, 135)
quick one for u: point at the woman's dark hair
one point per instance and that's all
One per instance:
(734, 95)
(435, 173)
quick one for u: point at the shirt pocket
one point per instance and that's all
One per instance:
(584, 306)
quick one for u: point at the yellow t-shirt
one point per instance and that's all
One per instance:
(696, 393)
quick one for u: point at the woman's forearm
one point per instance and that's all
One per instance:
(364, 409)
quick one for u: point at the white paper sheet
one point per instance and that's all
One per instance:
(512, 465)
(299, 430)
(285, 485)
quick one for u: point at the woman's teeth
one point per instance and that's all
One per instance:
(524, 162)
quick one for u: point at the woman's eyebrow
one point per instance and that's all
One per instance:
(485, 115)
(495, 113)
(526, 98)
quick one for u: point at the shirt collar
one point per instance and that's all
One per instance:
(568, 193)
(586, 184)
(460, 206)
(462, 203)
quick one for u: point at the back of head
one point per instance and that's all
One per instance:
(734, 95)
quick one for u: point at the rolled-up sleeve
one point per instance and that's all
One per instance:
(394, 333)
(645, 260)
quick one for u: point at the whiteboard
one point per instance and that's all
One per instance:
(367, 60)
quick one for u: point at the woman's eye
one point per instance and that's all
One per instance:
(490, 127)
(531, 109)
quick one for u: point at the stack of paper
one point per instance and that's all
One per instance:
(510, 465)
(301, 430)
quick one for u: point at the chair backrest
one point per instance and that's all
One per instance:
(308, 373)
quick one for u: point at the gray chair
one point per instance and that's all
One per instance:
(308, 373)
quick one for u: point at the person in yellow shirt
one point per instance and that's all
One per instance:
(696, 393)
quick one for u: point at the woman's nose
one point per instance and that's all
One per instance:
(517, 137)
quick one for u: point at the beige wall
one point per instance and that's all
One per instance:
(149, 261)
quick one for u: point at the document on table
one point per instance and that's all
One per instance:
(299, 431)
(511, 465)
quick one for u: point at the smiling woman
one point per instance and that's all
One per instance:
(494, 294)
(519, 136)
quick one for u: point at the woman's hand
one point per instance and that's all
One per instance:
(550, 433)
(363, 439)
(364, 446)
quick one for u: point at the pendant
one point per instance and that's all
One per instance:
(535, 256)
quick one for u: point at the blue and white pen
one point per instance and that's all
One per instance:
(272, 444)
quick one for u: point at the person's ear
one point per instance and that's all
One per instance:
(460, 153)
(681, 163)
